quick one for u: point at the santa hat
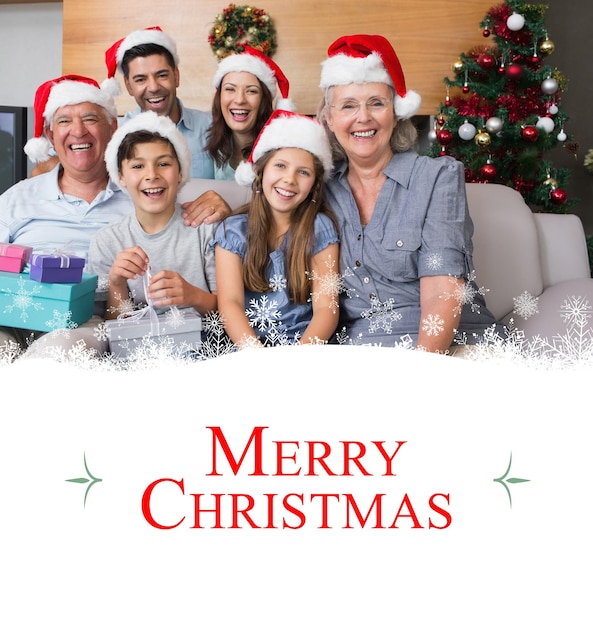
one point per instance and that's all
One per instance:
(151, 122)
(287, 129)
(260, 65)
(56, 93)
(115, 54)
(368, 59)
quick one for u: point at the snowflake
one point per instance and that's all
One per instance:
(278, 282)
(125, 306)
(434, 261)
(330, 284)
(23, 300)
(525, 305)
(433, 325)
(465, 294)
(381, 315)
(61, 322)
(263, 314)
(174, 317)
(215, 342)
(9, 351)
(100, 332)
(103, 283)
(576, 311)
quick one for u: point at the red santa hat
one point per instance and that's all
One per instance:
(368, 59)
(260, 65)
(151, 122)
(287, 129)
(115, 54)
(56, 93)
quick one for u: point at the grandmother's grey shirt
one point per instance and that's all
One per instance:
(420, 227)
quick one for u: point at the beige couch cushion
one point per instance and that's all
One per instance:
(506, 248)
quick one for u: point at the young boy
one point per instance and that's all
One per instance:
(150, 257)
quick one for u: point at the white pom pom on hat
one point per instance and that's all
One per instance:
(151, 122)
(58, 92)
(369, 59)
(257, 63)
(114, 54)
(287, 129)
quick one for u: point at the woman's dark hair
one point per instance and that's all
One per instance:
(220, 137)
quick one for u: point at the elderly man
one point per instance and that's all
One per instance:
(64, 207)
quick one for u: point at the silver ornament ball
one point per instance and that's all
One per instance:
(494, 125)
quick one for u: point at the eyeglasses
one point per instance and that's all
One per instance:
(350, 108)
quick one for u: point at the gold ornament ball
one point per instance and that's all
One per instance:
(458, 66)
(482, 139)
(551, 182)
(546, 46)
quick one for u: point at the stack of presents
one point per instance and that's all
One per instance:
(45, 292)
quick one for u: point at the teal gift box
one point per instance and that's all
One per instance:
(25, 303)
(177, 330)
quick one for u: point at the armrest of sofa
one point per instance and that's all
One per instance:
(563, 247)
(231, 192)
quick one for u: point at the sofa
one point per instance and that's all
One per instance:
(533, 266)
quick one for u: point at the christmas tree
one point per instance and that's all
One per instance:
(503, 109)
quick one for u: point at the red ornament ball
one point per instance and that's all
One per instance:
(465, 89)
(444, 137)
(530, 133)
(486, 61)
(558, 196)
(514, 71)
(486, 32)
(488, 171)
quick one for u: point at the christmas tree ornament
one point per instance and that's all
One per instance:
(561, 135)
(432, 135)
(550, 86)
(486, 32)
(515, 21)
(441, 120)
(467, 131)
(493, 125)
(482, 139)
(514, 72)
(546, 124)
(488, 171)
(550, 182)
(465, 87)
(553, 109)
(444, 137)
(458, 66)
(558, 196)
(448, 99)
(530, 133)
(546, 46)
(486, 61)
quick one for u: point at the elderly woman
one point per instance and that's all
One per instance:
(405, 231)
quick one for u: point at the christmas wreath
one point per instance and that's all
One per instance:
(238, 26)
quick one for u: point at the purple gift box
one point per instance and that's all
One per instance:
(56, 268)
(13, 257)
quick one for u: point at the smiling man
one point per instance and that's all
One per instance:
(149, 63)
(63, 208)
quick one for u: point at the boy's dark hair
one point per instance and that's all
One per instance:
(128, 144)
(145, 50)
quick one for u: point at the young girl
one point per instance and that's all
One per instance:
(151, 255)
(277, 258)
(246, 85)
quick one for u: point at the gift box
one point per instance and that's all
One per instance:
(56, 268)
(177, 330)
(29, 304)
(13, 257)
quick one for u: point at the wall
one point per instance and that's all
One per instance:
(31, 46)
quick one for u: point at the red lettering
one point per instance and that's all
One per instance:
(198, 510)
(388, 459)
(351, 502)
(354, 459)
(312, 458)
(439, 510)
(256, 438)
(280, 458)
(297, 512)
(147, 495)
(406, 502)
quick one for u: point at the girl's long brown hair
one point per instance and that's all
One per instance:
(300, 236)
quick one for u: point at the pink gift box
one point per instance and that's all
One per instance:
(13, 257)
(56, 268)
